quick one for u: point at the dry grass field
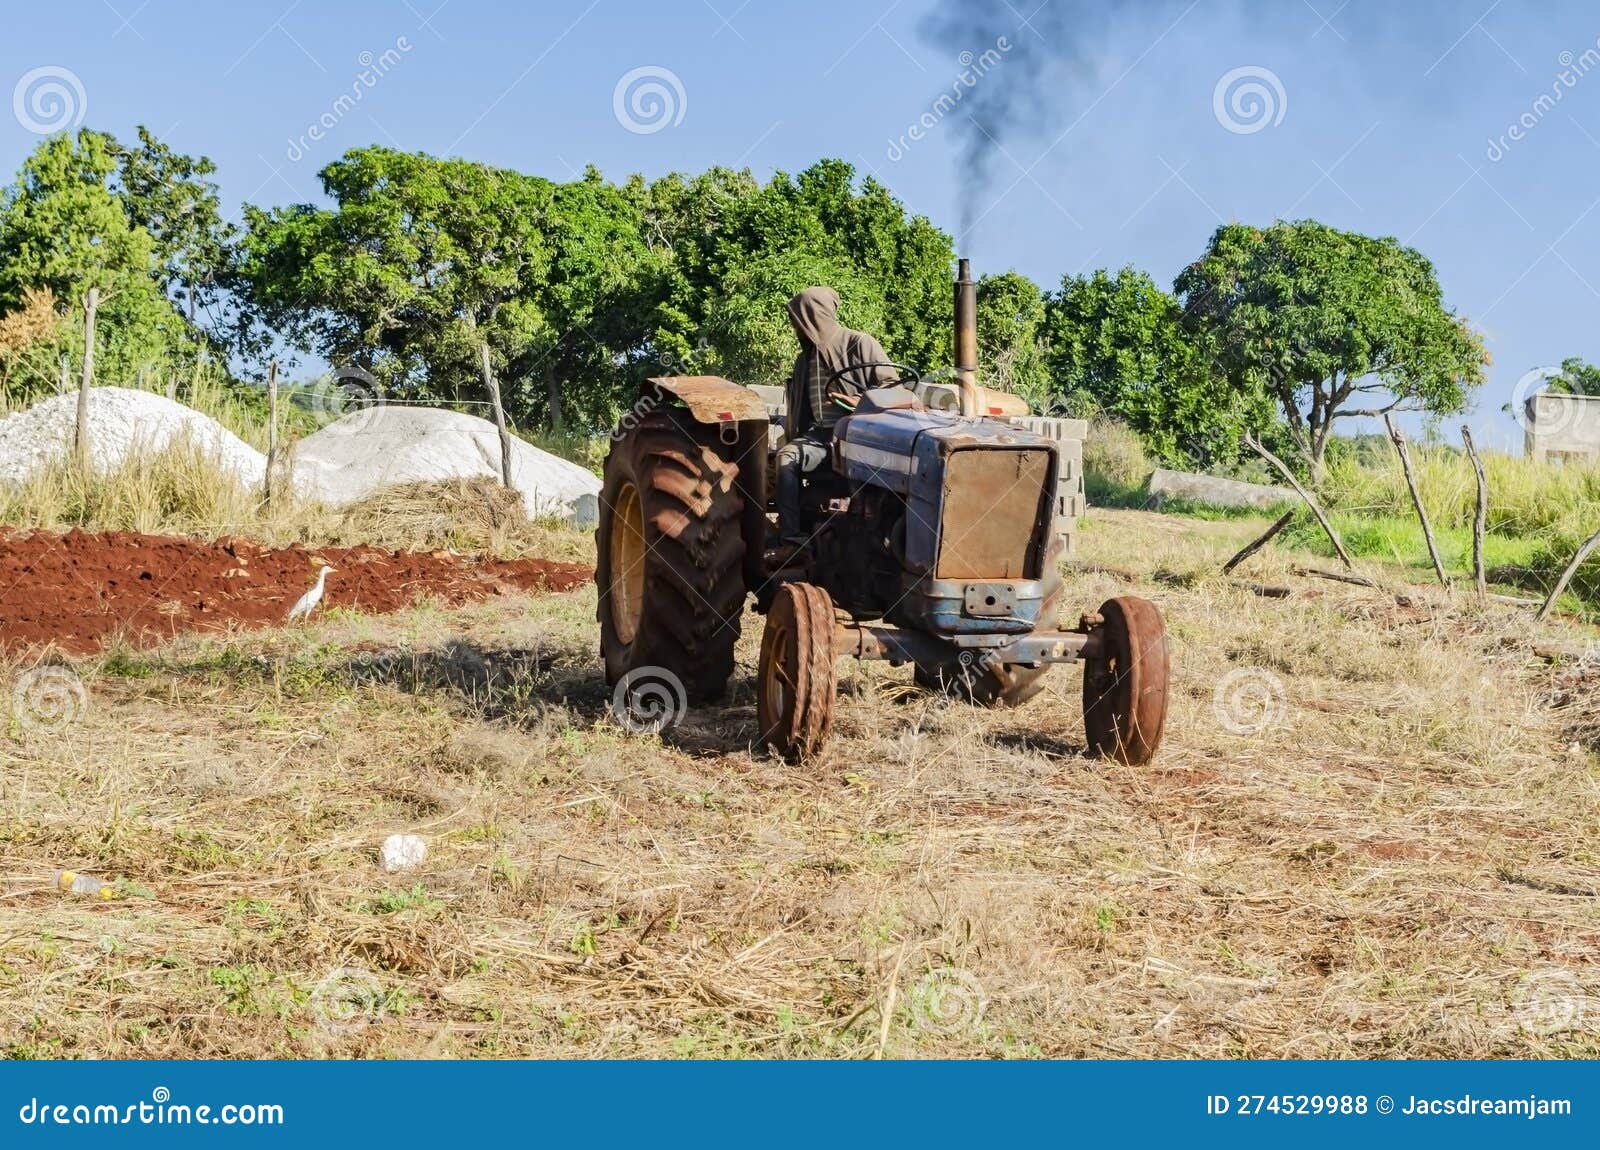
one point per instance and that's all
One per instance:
(1374, 830)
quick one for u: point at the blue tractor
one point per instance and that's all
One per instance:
(931, 540)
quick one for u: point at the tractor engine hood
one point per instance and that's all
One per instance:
(913, 453)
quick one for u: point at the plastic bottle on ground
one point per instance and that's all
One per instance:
(72, 882)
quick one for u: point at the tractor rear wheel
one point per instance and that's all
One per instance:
(1125, 685)
(796, 685)
(1003, 686)
(668, 555)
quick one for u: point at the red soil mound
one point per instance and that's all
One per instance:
(80, 590)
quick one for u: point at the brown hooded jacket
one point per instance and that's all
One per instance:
(825, 347)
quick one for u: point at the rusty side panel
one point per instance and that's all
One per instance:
(991, 509)
(712, 399)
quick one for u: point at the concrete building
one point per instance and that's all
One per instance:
(1562, 428)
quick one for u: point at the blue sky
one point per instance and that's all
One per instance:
(1380, 118)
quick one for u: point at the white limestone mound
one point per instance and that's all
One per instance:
(384, 446)
(123, 422)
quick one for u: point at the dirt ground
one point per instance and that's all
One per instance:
(80, 591)
(1371, 832)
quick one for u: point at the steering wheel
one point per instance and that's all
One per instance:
(904, 370)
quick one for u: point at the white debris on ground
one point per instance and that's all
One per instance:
(123, 422)
(380, 446)
(402, 852)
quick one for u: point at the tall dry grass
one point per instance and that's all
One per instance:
(1524, 497)
(182, 490)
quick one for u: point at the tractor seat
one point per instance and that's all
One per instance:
(888, 399)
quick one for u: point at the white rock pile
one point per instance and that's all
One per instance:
(343, 463)
(122, 422)
(386, 445)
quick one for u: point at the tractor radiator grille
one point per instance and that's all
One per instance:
(993, 501)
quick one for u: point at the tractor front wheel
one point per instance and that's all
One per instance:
(1125, 683)
(796, 686)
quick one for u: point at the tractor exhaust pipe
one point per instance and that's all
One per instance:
(966, 330)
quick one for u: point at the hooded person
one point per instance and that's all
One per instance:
(815, 400)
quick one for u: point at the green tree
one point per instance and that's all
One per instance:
(1577, 378)
(420, 259)
(1330, 325)
(584, 287)
(64, 227)
(1011, 327)
(736, 247)
(1121, 340)
(170, 196)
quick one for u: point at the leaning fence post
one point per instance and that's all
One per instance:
(1480, 518)
(1316, 508)
(1399, 441)
(1566, 576)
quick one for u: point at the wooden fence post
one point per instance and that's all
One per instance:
(91, 305)
(1480, 518)
(272, 430)
(493, 386)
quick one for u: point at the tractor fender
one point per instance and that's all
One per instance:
(710, 398)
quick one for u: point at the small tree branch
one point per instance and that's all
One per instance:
(1336, 576)
(1316, 509)
(1261, 541)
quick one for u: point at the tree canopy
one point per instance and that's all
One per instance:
(582, 287)
(1330, 325)
(1119, 339)
(137, 225)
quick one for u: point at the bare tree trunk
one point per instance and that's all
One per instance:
(1316, 508)
(493, 386)
(272, 431)
(1566, 576)
(1480, 518)
(91, 305)
(1251, 548)
(1399, 441)
(553, 389)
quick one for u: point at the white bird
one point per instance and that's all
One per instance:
(308, 602)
